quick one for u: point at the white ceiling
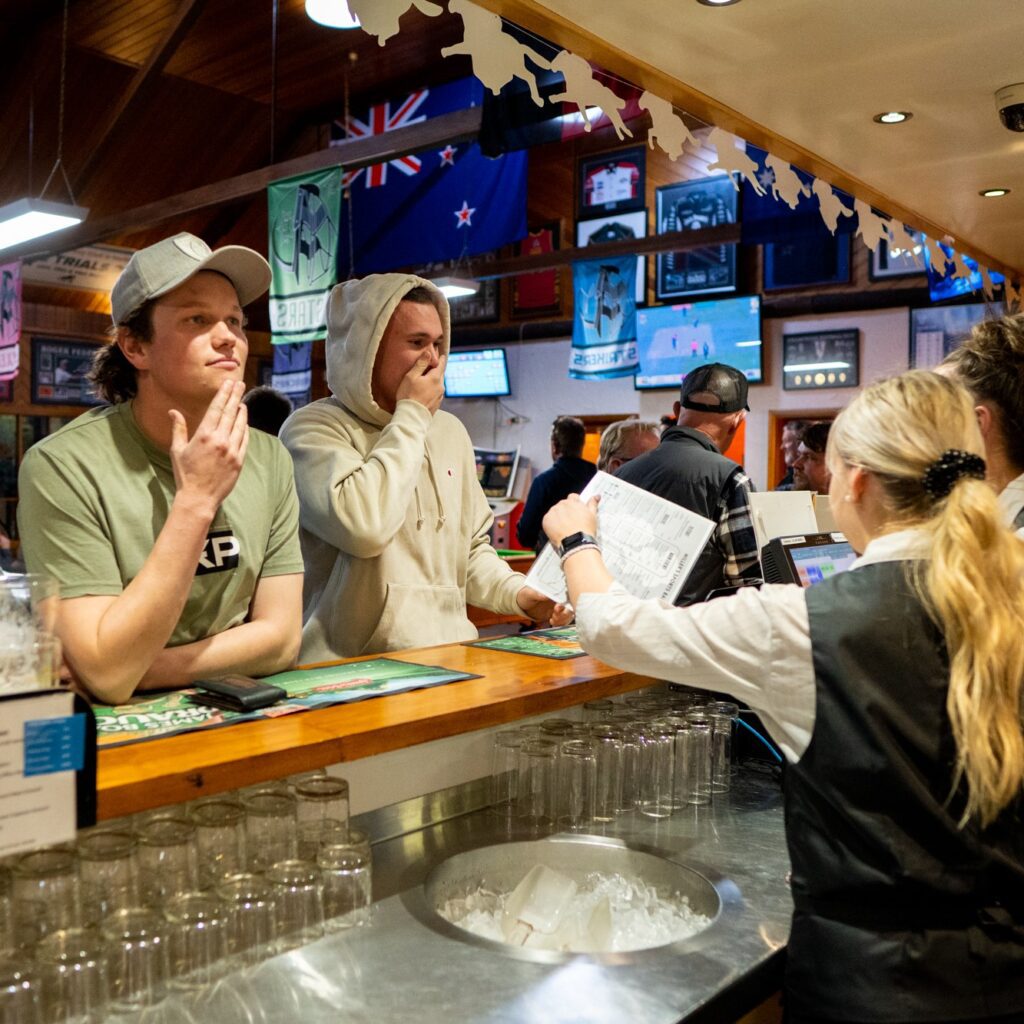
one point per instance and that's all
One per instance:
(815, 72)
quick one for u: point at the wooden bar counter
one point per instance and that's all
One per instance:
(157, 772)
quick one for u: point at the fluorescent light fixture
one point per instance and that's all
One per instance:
(749, 344)
(26, 219)
(892, 117)
(332, 13)
(801, 367)
(456, 287)
(718, 3)
(593, 114)
(994, 193)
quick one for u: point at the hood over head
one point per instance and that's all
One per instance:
(358, 313)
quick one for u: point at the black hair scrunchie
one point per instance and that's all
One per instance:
(952, 465)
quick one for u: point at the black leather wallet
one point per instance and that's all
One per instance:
(236, 693)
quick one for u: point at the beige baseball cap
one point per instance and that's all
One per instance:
(160, 268)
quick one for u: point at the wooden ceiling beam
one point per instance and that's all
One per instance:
(140, 88)
(459, 126)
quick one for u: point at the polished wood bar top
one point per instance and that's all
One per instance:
(157, 772)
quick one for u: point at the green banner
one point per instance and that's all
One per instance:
(304, 215)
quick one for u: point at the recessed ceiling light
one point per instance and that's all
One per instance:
(718, 3)
(992, 193)
(893, 117)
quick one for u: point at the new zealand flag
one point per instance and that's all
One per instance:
(434, 206)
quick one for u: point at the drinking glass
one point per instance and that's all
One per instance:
(322, 807)
(630, 766)
(723, 714)
(251, 916)
(347, 880)
(73, 968)
(695, 758)
(538, 764)
(597, 710)
(20, 991)
(270, 828)
(220, 839)
(554, 728)
(504, 784)
(107, 871)
(608, 788)
(656, 769)
(7, 944)
(29, 660)
(197, 940)
(167, 859)
(298, 894)
(136, 946)
(30, 601)
(45, 892)
(577, 772)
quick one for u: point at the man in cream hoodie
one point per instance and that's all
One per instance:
(394, 525)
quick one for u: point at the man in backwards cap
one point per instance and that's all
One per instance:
(171, 528)
(688, 467)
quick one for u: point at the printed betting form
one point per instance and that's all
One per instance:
(649, 544)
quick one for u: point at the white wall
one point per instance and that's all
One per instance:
(542, 390)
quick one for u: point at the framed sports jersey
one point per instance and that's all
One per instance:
(612, 181)
(694, 205)
(618, 227)
(540, 293)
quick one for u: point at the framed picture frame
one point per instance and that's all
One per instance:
(59, 368)
(936, 330)
(806, 262)
(612, 182)
(885, 264)
(538, 294)
(614, 228)
(697, 204)
(821, 360)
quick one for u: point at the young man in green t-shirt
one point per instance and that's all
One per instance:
(172, 530)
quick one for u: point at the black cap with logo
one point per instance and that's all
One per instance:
(726, 383)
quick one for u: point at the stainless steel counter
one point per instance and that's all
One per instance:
(406, 964)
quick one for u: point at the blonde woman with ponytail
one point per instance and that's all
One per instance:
(894, 690)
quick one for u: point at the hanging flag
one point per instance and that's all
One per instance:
(604, 325)
(292, 375)
(767, 219)
(10, 319)
(303, 218)
(437, 205)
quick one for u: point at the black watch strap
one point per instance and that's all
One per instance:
(575, 540)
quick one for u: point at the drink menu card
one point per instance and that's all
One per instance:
(649, 544)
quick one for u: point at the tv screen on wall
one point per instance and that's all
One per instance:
(477, 373)
(672, 340)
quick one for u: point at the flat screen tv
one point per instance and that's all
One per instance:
(476, 373)
(672, 340)
(943, 285)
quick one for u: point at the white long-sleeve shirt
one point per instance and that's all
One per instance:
(754, 645)
(1011, 500)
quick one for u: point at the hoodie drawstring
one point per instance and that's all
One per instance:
(437, 492)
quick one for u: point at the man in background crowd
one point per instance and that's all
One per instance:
(268, 409)
(810, 471)
(569, 475)
(171, 528)
(688, 467)
(625, 440)
(791, 431)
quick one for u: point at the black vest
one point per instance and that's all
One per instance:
(899, 915)
(688, 469)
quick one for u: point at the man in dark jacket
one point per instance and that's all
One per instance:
(688, 467)
(569, 475)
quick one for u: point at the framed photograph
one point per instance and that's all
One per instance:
(616, 228)
(821, 359)
(692, 205)
(806, 262)
(538, 294)
(612, 181)
(886, 262)
(6, 390)
(936, 330)
(59, 369)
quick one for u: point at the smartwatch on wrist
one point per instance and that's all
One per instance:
(575, 540)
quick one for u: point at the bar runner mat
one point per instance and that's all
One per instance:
(560, 643)
(167, 714)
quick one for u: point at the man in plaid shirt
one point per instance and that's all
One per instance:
(688, 467)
